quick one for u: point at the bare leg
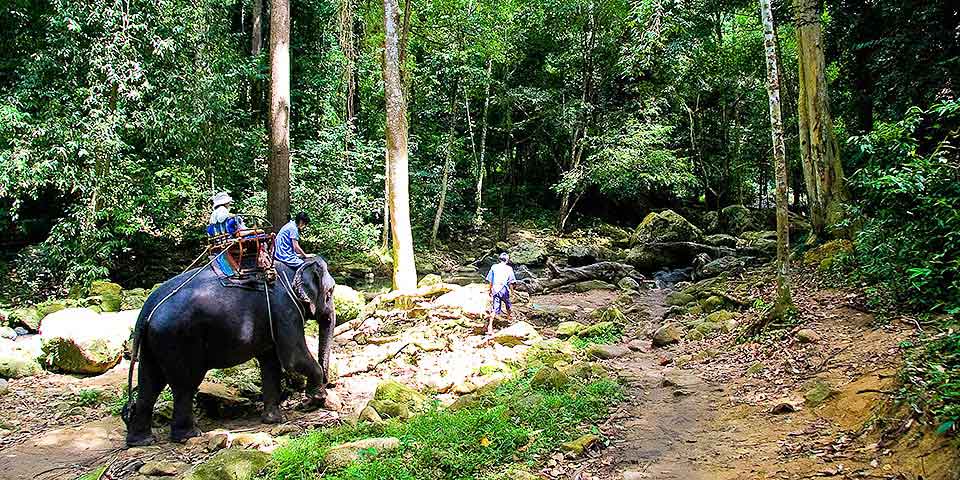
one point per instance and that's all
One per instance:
(270, 376)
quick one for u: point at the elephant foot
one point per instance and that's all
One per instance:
(313, 402)
(273, 415)
(140, 440)
(182, 437)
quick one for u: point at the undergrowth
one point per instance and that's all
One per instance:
(510, 425)
(931, 380)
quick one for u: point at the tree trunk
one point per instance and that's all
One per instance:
(820, 154)
(385, 240)
(256, 29)
(779, 155)
(447, 168)
(349, 77)
(611, 272)
(481, 166)
(278, 180)
(404, 267)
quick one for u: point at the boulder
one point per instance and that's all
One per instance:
(605, 352)
(807, 335)
(721, 240)
(431, 279)
(760, 243)
(580, 253)
(552, 314)
(823, 256)
(15, 362)
(678, 298)
(569, 329)
(666, 335)
(8, 333)
(666, 226)
(133, 299)
(517, 334)
(577, 447)
(628, 284)
(549, 378)
(585, 370)
(719, 317)
(160, 468)
(394, 391)
(28, 318)
(79, 340)
(50, 306)
(818, 392)
(711, 304)
(109, 294)
(550, 351)
(528, 253)
(4, 387)
(230, 464)
(348, 303)
(727, 264)
(473, 300)
(369, 414)
(735, 219)
(341, 456)
(589, 285)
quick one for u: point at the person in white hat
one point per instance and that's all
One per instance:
(222, 220)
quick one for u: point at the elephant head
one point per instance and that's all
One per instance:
(315, 285)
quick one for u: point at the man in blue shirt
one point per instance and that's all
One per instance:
(500, 277)
(287, 245)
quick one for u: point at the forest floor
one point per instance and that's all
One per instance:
(719, 408)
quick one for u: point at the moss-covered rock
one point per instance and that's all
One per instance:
(430, 279)
(628, 284)
(93, 357)
(721, 240)
(348, 303)
(598, 329)
(341, 456)
(28, 318)
(230, 464)
(719, 317)
(549, 352)
(528, 253)
(589, 285)
(679, 298)
(826, 253)
(577, 447)
(50, 306)
(606, 352)
(585, 371)
(15, 362)
(133, 299)
(818, 392)
(390, 409)
(517, 334)
(392, 390)
(549, 378)
(666, 335)
(109, 294)
(568, 329)
(667, 226)
(711, 304)
(735, 219)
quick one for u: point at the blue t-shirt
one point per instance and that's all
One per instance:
(501, 274)
(283, 248)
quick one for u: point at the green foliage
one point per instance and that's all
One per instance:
(90, 397)
(514, 423)
(909, 245)
(931, 380)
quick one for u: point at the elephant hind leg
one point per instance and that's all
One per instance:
(150, 382)
(183, 426)
(270, 376)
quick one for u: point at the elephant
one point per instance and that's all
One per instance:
(192, 323)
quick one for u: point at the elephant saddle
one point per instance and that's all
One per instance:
(245, 259)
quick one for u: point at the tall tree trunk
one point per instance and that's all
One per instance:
(820, 153)
(256, 45)
(349, 76)
(447, 168)
(481, 165)
(404, 267)
(779, 156)
(278, 180)
(385, 239)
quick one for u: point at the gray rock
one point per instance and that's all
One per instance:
(667, 226)
(666, 335)
(627, 283)
(727, 264)
(721, 240)
(4, 387)
(592, 285)
(736, 219)
(20, 331)
(159, 468)
(807, 335)
(230, 464)
(516, 334)
(8, 333)
(16, 362)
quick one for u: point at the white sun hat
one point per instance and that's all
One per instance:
(222, 198)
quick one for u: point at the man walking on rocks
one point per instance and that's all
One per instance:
(500, 277)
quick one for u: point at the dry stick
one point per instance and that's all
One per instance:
(373, 366)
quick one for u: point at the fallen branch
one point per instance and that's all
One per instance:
(373, 366)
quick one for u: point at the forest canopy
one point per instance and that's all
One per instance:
(118, 121)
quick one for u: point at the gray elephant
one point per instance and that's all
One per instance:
(192, 324)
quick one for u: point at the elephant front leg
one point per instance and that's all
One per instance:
(270, 376)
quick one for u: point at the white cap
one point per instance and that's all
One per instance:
(221, 198)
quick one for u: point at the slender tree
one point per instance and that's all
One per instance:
(278, 180)
(819, 151)
(404, 266)
(779, 157)
(447, 167)
(481, 164)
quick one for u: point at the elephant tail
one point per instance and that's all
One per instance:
(127, 412)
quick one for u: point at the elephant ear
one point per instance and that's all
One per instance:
(309, 285)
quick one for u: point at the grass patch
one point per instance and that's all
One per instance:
(90, 398)
(510, 425)
(931, 380)
(608, 335)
